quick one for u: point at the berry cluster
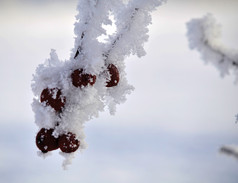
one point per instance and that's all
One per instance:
(45, 140)
(67, 143)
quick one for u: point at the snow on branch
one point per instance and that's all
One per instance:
(120, 34)
(88, 8)
(204, 35)
(132, 31)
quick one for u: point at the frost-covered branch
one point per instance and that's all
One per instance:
(88, 7)
(204, 35)
(132, 31)
(70, 93)
(231, 150)
(120, 34)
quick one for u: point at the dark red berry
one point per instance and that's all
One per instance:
(114, 76)
(45, 141)
(68, 143)
(79, 78)
(53, 97)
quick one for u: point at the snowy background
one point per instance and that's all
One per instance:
(169, 130)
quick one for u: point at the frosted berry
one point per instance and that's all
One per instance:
(45, 141)
(114, 76)
(53, 97)
(68, 143)
(80, 79)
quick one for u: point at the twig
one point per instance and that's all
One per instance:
(229, 150)
(223, 55)
(80, 47)
(117, 39)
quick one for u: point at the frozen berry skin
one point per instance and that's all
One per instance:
(45, 141)
(53, 97)
(68, 143)
(80, 79)
(114, 76)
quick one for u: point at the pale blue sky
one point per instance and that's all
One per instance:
(170, 128)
